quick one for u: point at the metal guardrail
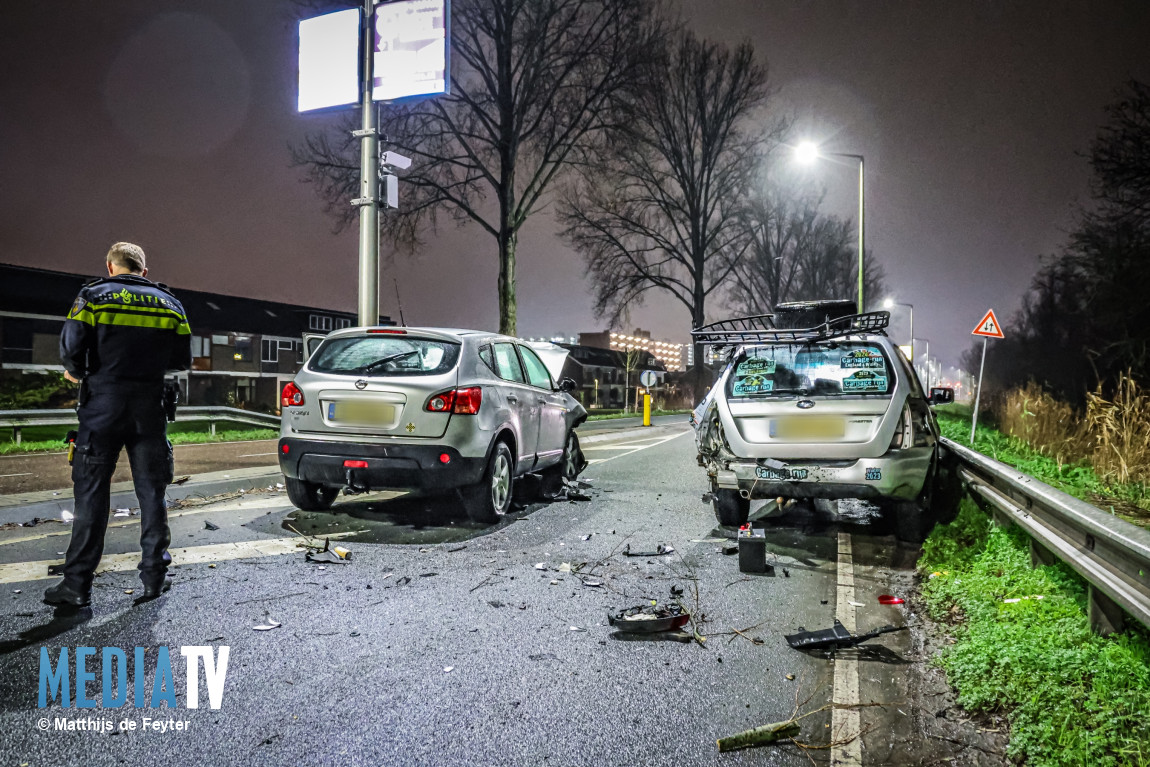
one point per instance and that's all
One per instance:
(18, 419)
(1112, 555)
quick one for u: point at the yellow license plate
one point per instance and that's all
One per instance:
(361, 412)
(808, 427)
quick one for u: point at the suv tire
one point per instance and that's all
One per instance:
(731, 509)
(490, 499)
(568, 468)
(310, 496)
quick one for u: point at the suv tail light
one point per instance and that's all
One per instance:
(904, 432)
(459, 401)
(291, 395)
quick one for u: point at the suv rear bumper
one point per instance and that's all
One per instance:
(388, 466)
(897, 474)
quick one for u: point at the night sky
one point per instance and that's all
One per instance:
(148, 122)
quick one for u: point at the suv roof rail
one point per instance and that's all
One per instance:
(761, 328)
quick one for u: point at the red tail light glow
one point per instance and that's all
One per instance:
(355, 464)
(291, 395)
(458, 401)
(387, 331)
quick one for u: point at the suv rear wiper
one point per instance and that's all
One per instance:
(381, 362)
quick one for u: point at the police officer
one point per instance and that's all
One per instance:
(121, 336)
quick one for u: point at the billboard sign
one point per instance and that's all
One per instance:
(329, 60)
(411, 49)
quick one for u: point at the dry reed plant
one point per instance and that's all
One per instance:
(1120, 432)
(1051, 427)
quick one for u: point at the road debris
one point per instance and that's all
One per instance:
(587, 537)
(181, 480)
(403, 581)
(887, 599)
(835, 637)
(649, 618)
(336, 555)
(268, 626)
(455, 549)
(122, 513)
(760, 736)
(67, 516)
(540, 566)
(448, 669)
(659, 551)
(676, 591)
(729, 550)
(210, 526)
(129, 591)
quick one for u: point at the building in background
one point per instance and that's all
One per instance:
(667, 352)
(243, 349)
(608, 378)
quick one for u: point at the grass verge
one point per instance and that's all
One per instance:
(1073, 698)
(1128, 501)
(613, 416)
(38, 439)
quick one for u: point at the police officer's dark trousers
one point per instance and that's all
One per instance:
(115, 415)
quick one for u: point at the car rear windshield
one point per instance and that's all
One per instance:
(384, 356)
(811, 369)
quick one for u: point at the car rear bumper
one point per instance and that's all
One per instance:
(897, 474)
(388, 466)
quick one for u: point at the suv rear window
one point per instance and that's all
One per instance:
(384, 356)
(811, 369)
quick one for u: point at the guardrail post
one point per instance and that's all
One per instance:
(16, 435)
(1039, 555)
(1105, 616)
(212, 427)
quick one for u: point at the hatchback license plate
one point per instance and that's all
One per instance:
(807, 427)
(361, 412)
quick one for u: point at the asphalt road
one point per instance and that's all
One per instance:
(441, 642)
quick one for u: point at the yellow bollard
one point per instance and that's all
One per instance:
(646, 409)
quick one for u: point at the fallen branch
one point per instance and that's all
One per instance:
(760, 736)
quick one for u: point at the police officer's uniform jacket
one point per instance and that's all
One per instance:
(121, 335)
(125, 328)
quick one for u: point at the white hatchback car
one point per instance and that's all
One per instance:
(428, 408)
(817, 402)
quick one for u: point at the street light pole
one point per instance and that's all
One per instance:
(808, 152)
(888, 304)
(368, 200)
(928, 370)
(862, 250)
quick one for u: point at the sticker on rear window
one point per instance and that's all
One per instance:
(867, 359)
(752, 384)
(751, 376)
(864, 381)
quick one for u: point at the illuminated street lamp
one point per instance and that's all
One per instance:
(888, 304)
(807, 152)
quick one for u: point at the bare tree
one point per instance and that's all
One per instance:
(796, 254)
(656, 210)
(531, 85)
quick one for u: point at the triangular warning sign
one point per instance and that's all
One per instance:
(988, 326)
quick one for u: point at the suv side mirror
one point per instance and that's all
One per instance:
(941, 395)
(568, 385)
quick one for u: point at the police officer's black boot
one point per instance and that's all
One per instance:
(154, 589)
(63, 594)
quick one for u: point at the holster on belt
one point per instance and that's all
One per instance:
(171, 398)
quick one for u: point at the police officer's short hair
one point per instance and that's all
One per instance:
(127, 255)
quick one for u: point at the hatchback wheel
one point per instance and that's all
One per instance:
(568, 468)
(731, 509)
(309, 496)
(490, 499)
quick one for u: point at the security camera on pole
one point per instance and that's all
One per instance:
(988, 327)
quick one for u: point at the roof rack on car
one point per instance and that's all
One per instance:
(761, 329)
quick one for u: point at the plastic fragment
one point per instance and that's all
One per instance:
(887, 599)
(271, 624)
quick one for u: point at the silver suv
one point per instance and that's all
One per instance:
(817, 402)
(428, 408)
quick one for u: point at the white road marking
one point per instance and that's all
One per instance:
(608, 447)
(23, 474)
(217, 552)
(256, 455)
(846, 724)
(633, 448)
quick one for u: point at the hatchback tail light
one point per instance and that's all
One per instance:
(460, 401)
(291, 395)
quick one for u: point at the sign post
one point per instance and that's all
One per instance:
(988, 327)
